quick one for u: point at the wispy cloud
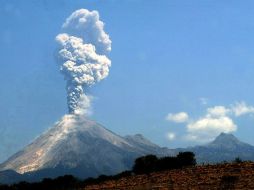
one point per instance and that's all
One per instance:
(181, 117)
(241, 108)
(217, 111)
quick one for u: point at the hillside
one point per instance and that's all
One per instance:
(225, 147)
(223, 176)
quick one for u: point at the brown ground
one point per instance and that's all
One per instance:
(224, 176)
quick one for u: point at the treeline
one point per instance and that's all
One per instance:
(151, 163)
(67, 182)
(142, 165)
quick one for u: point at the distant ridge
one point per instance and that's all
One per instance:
(225, 147)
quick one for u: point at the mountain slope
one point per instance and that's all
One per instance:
(146, 146)
(80, 147)
(226, 147)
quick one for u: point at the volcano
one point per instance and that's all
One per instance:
(80, 147)
(225, 147)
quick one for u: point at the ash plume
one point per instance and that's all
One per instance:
(83, 46)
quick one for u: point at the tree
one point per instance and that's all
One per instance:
(145, 164)
(167, 163)
(151, 163)
(186, 159)
(238, 160)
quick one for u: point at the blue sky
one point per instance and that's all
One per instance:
(167, 57)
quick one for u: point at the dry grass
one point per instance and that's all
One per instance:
(210, 177)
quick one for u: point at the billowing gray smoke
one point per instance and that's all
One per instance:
(83, 45)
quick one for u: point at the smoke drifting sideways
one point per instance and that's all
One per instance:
(83, 45)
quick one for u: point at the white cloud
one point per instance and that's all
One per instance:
(217, 111)
(237, 109)
(212, 126)
(181, 117)
(241, 108)
(171, 136)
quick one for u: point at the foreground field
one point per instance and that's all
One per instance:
(223, 176)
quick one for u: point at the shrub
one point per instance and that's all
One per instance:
(238, 160)
(167, 163)
(186, 159)
(151, 163)
(145, 164)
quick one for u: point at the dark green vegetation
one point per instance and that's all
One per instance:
(143, 165)
(151, 163)
(66, 182)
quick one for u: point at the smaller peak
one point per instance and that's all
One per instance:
(226, 135)
(139, 139)
(225, 138)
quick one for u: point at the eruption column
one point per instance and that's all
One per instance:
(82, 48)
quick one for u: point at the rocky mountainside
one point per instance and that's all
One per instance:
(144, 145)
(80, 147)
(226, 147)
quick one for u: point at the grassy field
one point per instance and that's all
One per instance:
(221, 176)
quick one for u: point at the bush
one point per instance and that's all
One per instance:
(238, 160)
(151, 163)
(167, 163)
(145, 164)
(186, 159)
